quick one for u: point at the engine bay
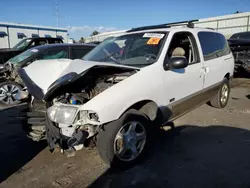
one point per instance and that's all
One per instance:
(87, 88)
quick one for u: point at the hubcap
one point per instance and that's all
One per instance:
(8, 93)
(130, 141)
(224, 93)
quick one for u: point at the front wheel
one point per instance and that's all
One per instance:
(123, 142)
(8, 91)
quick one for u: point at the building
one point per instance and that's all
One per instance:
(102, 36)
(12, 33)
(228, 25)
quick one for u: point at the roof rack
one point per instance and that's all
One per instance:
(189, 24)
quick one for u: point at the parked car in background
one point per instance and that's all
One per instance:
(240, 46)
(129, 85)
(10, 82)
(23, 45)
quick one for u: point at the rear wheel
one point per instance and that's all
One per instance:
(124, 141)
(221, 98)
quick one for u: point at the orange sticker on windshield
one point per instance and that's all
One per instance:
(153, 41)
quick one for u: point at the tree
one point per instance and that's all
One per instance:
(237, 12)
(82, 40)
(94, 33)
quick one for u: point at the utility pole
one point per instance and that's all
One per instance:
(57, 14)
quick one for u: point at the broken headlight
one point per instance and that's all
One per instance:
(87, 117)
(62, 114)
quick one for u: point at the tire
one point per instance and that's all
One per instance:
(8, 90)
(220, 100)
(106, 139)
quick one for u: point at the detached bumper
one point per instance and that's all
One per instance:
(35, 121)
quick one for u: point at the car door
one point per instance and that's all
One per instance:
(216, 55)
(183, 86)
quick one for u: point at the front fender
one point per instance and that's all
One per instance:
(114, 101)
(110, 112)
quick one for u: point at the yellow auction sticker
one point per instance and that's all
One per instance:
(153, 41)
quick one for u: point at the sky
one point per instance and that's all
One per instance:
(81, 17)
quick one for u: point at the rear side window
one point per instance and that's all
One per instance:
(78, 53)
(213, 45)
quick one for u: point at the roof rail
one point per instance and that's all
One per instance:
(210, 28)
(189, 24)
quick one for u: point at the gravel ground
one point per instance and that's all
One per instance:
(207, 148)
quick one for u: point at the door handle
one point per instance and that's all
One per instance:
(204, 70)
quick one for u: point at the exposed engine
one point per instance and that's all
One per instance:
(91, 90)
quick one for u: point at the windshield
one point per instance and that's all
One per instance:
(26, 54)
(22, 44)
(138, 49)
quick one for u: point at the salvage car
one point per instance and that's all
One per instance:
(25, 44)
(240, 46)
(127, 86)
(10, 82)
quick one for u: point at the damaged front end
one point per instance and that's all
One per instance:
(68, 126)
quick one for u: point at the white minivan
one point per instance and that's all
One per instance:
(119, 92)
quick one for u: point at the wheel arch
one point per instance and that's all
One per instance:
(227, 76)
(147, 107)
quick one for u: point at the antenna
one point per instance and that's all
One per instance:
(57, 14)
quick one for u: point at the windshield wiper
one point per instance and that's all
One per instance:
(109, 55)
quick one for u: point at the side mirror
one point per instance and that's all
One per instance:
(176, 63)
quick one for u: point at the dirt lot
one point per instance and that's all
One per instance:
(207, 148)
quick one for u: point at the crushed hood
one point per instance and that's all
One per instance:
(42, 73)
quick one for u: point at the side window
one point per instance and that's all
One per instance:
(40, 42)
(184, 44)
(213, 45)
(55, 41)
(78, 53)
(32, 44)
(54, 54)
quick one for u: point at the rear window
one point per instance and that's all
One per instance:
(55, 53)
(213, 45)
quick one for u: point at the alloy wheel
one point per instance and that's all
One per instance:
(130, 141)
(224, 94)
(8, 93)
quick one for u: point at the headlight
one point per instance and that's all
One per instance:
(62, 114)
